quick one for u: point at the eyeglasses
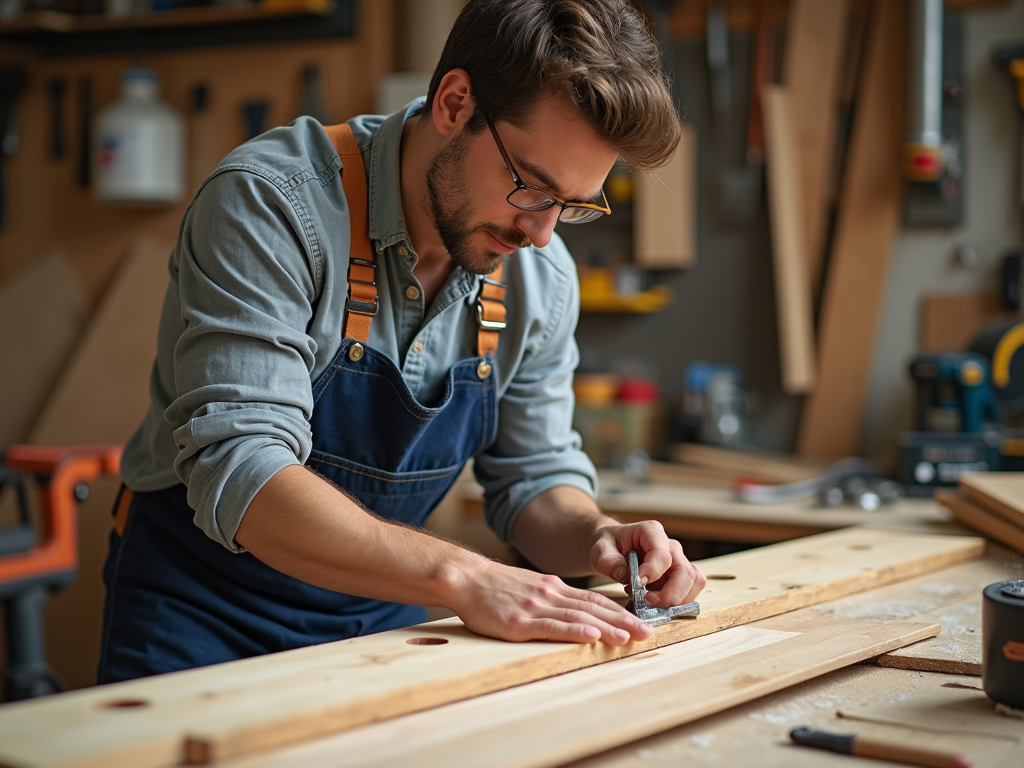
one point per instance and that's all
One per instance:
(527, 198)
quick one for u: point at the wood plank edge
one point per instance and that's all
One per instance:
(919, 664)
(992, 504)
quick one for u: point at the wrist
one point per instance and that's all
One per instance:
(453, 580)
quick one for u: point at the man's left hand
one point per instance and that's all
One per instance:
(670, 578)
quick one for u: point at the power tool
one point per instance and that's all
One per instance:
(957, 426)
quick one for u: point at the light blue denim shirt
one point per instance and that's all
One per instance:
(254, 312)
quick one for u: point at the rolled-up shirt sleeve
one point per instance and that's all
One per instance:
(536, 448)
(242, 364)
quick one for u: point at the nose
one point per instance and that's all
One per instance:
(538, 225)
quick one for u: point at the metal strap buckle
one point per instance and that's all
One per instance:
(364, 263)
(362, 307)
(487, 325)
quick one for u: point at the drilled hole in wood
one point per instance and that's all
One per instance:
(720, 577)
(860, 547)
(426, 641)
(124, 704)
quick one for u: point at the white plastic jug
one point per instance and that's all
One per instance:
(139, 146)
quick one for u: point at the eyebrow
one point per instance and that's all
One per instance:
(543, 178)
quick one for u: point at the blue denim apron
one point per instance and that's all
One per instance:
(176, 599)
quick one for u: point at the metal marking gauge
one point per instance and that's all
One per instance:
(638, 604)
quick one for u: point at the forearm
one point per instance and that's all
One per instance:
(303, 526)
(557, 530)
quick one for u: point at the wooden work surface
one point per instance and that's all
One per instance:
(692, 511)
(947, 711)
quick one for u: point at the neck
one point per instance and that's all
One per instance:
(419, 143)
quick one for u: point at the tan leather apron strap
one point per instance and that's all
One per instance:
(490, 313)
(124, 504)
(362, 268)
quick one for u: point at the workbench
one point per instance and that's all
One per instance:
(878, 700)
(706, 512)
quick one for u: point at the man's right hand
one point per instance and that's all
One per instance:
(516, 604)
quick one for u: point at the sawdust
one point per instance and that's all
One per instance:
(1006, 711)
(702, 740)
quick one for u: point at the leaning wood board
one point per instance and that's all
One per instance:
(813, 58)
(553, 721)
(982, 519)
(999, 492)
(794, 305)
(235, 708)
(869, 211)
(665, 231)
(102, 397)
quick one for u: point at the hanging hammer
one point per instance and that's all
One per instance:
(1010, 58)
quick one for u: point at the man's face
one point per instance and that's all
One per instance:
(468, 183)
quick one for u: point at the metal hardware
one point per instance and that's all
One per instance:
(492, 281)
(653, 616)
(362, 307)
(487, 325)
(355, 352)
(484, 369)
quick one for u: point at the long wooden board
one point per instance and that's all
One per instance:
(950, 598)
(813, 58)
(998, 492)
(41, 314)
(272, 700)
(665, 209)
(554, 721)
(794, 305)
(982, 519)
(869, 210)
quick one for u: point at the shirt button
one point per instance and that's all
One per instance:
(412, 293)
(417, 347)
(402, 251)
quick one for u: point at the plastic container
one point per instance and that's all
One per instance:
(139, 146)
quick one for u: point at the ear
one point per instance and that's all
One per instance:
(453, 102)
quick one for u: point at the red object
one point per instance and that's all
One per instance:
(638, 391)
(61, 469)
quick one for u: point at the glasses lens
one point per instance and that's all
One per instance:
(574, 215)
(530, 200)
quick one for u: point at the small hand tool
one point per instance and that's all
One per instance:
(880, 749)
(638, 605)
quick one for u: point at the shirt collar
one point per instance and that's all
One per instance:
(387, 222)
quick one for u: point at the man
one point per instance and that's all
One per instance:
(324, 371)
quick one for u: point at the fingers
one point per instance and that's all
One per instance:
(557, 606)
(681, 583)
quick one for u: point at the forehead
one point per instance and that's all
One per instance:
(558, 141)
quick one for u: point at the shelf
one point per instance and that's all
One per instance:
(598, 294)
(64, 34)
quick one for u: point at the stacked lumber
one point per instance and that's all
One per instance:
(992, 503)
(232, 710)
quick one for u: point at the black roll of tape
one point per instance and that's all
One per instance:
(1002, 643)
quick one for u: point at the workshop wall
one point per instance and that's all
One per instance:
(724, 306)
(923, 260)
(49, 213)
(47, 208)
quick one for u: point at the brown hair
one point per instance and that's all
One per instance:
(599, 53)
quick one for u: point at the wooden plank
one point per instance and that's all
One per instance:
(793, 297)
(780, 467)
(42, 310)
(272, 700)
(554, 721)
(955, 650)
(949, 322)
(998, 492)
(665, 207)
(812, 74)
(950, 597)
(981, 519)
(101, 398)
(868, 217)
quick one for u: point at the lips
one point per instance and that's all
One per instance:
(502, 247)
